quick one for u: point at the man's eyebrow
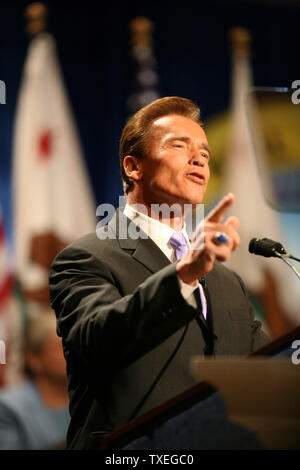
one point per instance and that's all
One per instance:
(188, 140)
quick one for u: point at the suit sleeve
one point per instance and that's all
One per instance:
(101, 328)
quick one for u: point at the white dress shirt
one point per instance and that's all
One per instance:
(161, 233)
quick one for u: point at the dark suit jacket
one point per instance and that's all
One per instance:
(121, 315)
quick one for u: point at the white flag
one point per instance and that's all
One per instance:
(270, 278)
(53, 203)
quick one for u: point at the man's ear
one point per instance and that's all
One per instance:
(132, 168)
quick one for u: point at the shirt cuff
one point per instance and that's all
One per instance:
(187, 291)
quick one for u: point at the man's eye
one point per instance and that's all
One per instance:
(205, 155)
(180, 146)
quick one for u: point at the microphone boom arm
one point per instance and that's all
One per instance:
(294, 257)
(283, 257)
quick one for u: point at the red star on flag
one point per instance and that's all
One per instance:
(45, 145)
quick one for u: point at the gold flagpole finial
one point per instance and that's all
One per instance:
(141, 31)
(240, 39)
(36, 14)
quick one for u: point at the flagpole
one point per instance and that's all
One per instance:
(144, 86)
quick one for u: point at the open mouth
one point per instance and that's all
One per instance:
(196, 177)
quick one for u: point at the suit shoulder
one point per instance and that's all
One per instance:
(90, 244)
(221, 271)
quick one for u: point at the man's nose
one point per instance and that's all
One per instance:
(196, 158)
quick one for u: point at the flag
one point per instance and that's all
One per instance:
(269, 279)
(53, 201)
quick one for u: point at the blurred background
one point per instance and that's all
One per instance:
(73, 92)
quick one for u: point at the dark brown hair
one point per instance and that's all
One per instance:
(136, 131)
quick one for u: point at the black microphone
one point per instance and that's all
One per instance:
(266, 247)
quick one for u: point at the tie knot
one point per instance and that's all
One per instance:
(178, 242)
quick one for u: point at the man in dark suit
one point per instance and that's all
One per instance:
(129, 316)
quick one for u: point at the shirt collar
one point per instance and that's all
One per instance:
(159, 232)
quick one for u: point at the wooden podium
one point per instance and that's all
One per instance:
(261, 393)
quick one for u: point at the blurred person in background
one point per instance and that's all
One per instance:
(34, 414)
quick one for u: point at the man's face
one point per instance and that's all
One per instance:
(176, 168)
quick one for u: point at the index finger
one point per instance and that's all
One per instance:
(217, 213)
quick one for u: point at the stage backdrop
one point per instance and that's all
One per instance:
(192, 53)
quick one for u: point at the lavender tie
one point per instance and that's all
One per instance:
(178, 243)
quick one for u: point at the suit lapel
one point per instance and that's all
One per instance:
(143, 249)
